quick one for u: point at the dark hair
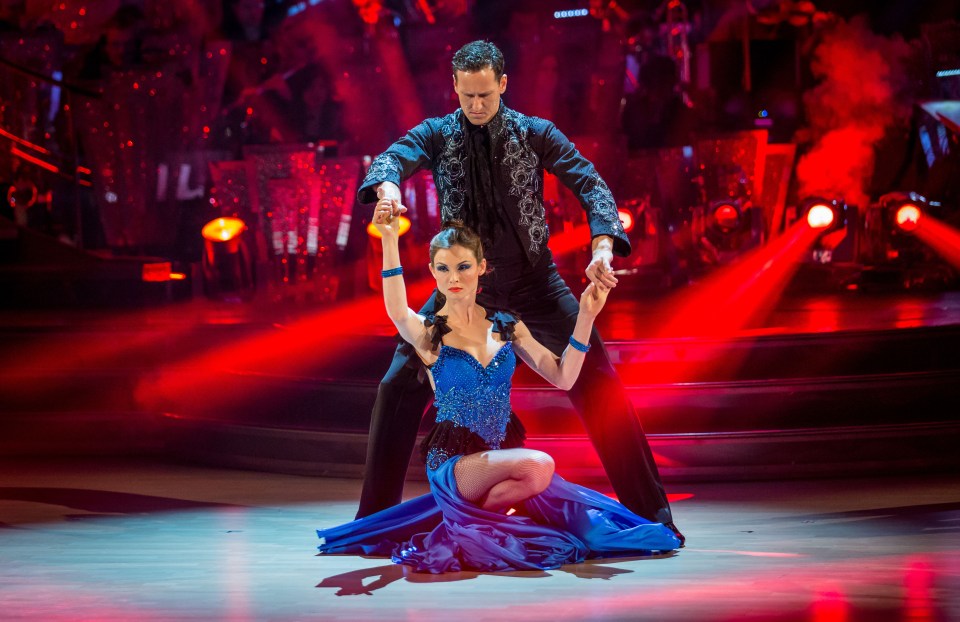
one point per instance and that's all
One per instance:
(455, 233)
(478, 55)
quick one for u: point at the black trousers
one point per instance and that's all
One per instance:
(539, 296)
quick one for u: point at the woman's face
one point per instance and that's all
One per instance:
(457, 272)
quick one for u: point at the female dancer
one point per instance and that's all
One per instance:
(494, 505)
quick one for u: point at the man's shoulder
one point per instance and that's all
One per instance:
(525, 121)
(446, 120)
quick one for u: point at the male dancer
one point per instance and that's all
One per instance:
(488, 163)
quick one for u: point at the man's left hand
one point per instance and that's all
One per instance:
(600, 270)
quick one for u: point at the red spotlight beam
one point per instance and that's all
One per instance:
(404, 100)
(728, 300)
(89, 349)
(304, 344)
(571, 240)
(708, 316)
(942, 238)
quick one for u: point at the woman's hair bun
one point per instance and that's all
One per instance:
(453, 223)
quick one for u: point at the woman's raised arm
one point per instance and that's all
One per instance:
(409, 324)
(563, 372)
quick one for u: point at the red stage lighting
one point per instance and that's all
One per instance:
(824, 214)
(228, 272)
(156, 272)
(726, 216)
(626, 219)
(820, 216)
(731, 227)
(223, 229)
(904, 210)
(907, 217)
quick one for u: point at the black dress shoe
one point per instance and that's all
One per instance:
(676, 532)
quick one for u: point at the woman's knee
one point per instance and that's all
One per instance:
(538, 470)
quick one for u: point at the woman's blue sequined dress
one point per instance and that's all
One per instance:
(442, 532)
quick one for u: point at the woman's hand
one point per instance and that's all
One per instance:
(386, 218)
(592, 299)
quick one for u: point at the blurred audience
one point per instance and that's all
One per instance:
(249, 28)
(119, 48)
(299, 107)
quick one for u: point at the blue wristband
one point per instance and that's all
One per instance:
(583, 347)
(392, 272)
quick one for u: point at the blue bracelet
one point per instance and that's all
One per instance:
(583, 347)
(392, 272)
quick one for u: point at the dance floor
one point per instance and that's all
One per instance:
(817, 480)
(126, 539)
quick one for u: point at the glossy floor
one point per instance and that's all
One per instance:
(144, 540)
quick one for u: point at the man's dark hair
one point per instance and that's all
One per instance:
(478, 55)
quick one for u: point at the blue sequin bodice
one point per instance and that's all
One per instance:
(472, 401)
(474, 396)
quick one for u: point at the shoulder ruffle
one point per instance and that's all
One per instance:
(440, 328)
(504, 323)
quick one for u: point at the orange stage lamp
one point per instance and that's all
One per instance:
(228, 271)
(404, 227)
(223, 229)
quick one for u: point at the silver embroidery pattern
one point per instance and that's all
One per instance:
(597, 193)
(450, 172)
(385, 166)
(525, 182)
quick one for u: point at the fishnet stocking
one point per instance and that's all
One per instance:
(497, 479)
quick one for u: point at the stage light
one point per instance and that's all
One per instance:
(893, 228)
(905, 209)
(227, 262)
(642, 224)
(835, 225)
(730, 228)
(907, 217)
(909, 244)
(820, 216)
(404, 227)
(824, 214)
(726, 216)
(156, 272)
(223, 229)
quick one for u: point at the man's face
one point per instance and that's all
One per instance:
(479, 93)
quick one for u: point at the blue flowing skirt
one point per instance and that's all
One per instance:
(442, 532)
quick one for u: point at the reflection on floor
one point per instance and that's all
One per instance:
(124, 540)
